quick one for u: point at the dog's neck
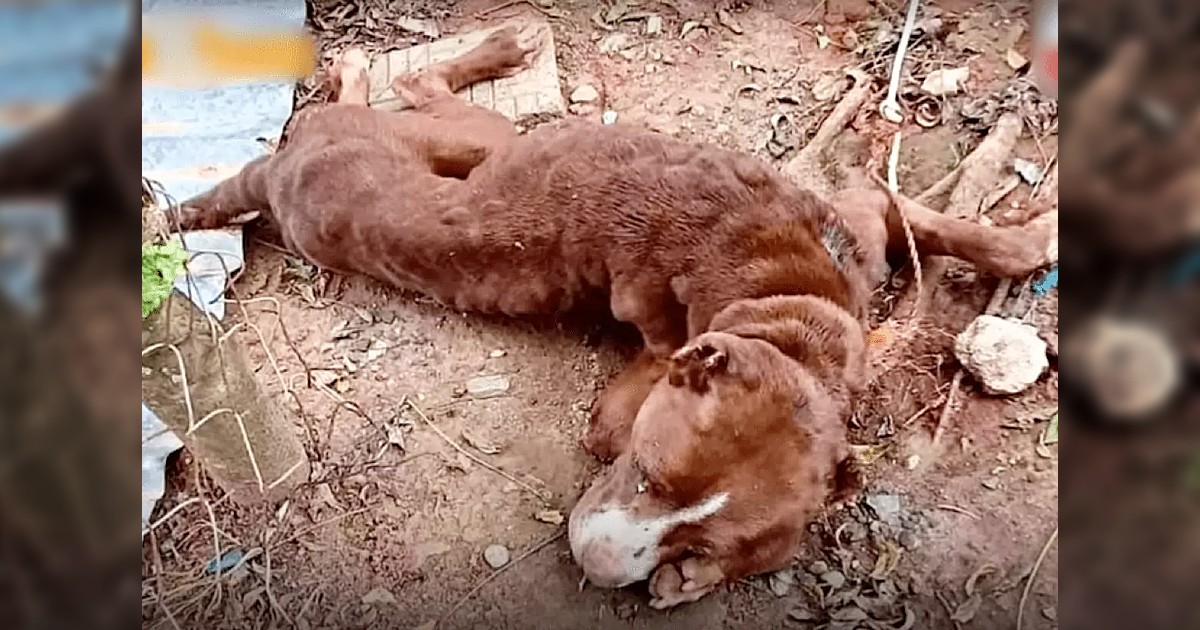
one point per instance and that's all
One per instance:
(815, 332)
(818, 259)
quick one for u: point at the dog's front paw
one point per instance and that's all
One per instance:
(684, 582)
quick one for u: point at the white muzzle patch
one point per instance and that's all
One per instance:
(614, 549)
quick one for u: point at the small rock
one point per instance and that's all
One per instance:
(835, 579)
(909, 540)
(1004, 355)
(609, 117)
(943, 82)
(614, 42)
(802, 614)
(487, 386)
(379, 596)
(552, 517)
(654, 25)
(781, 582)
(912, 462)
(819, 567)
(496, 354)
(496, 556)
(584, 94)
(854, 532)
(991, 483)
(1030, 172)
(886, 507)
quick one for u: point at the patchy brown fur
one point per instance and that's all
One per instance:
(769, 282)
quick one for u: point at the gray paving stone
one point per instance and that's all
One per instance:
(531, 92)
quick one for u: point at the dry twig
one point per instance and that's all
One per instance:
(540, 494)
(1032, 576)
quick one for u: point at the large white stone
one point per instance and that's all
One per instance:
(1005, 356)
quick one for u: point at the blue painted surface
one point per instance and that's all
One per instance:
(1047, 283)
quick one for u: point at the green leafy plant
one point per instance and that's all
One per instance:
(161, 265)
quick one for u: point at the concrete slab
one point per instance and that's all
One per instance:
(533, 91)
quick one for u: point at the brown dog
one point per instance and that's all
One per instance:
(724, 446)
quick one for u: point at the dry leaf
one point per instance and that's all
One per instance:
(967, 610)
(979, 573)
(1015, 60)
(727, 20)
(480, 443)
(948, 81)
(827, 87)
(823, 40)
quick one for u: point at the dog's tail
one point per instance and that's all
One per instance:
(235, 201)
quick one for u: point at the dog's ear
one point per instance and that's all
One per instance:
(694, 365)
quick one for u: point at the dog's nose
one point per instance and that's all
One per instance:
(601, 563)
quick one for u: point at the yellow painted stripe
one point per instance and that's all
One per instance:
(213, 53)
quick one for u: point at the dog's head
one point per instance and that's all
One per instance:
(728, 453)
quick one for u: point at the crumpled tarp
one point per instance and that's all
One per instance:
(192, 138)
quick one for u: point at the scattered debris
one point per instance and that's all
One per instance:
(480, 443)
(887, 507)
(1047, 283)
(781, 582)
(835, 579)
(726, 19)
(496, 556)
(609, 117)
(991, 483)
(1030, 172)
(654, 26)
(1015, 60)
(615, 42)
(428, 28)
(226, 562)
(496, 354)
(482, 387)
(967, 610)
(550, 517)
(379, 596)
(690, 27)
(946, 82)
(1004, 355)
(828, 87)
(1050, 435)
(585, 94)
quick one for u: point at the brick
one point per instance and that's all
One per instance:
(533, 91)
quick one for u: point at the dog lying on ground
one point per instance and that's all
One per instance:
(749, 292)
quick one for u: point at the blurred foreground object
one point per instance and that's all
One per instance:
(1130, 166)
(29, 232)
(223, 45)
(1128, 368)
(52, 53)
(1044, 68)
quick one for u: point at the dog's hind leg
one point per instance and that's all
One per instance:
(455, 136)
(1004, 251)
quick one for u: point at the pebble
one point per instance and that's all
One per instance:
(991, 483)
(496, 354)
(654, 25)
(496, 556)
(886, 507)
(834, 579)
(615, 42)
(909, 540)
(584, 94)
(609, 117)
(820, 567)
(487, 386)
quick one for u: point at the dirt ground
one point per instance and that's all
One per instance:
(391, 529)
